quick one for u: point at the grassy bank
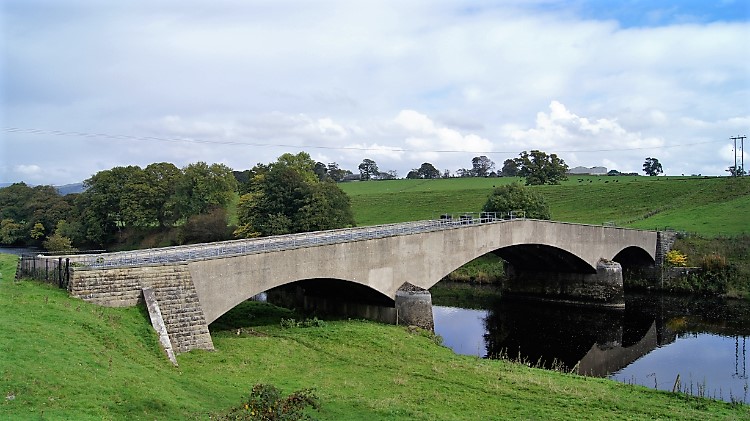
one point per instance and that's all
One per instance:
(61, 358)
(705, 206)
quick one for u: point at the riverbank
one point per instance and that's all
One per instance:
(66, 359)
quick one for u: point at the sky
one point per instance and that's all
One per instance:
(89, 85)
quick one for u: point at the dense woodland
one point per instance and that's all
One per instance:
(190, 204)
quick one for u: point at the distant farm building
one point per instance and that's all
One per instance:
(588, 171)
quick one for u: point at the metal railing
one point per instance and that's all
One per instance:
(49, 269)
(195, 252)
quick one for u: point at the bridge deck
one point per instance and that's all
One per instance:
(231, 248)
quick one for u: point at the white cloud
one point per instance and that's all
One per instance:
(28, 170)
(263, 78)
(426, 135)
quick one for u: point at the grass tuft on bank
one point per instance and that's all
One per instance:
(62, 358)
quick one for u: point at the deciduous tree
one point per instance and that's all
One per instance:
(289, 198)
(540, 168)
(368, 169)
(204, 187)
(652, 167)
(510, 168)
(427, 170)
(481, 166)
(337, 174)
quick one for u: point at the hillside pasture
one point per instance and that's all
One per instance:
(704, 205)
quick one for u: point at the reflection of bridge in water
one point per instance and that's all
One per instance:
(599, 342)
(594, 342)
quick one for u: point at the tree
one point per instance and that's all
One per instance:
(481, 166)
(463, 172)
(11, 232)
(321, 170)
(326, 207)
(514, 198)
(388, 175)
(368, 169)
(337, 174)
(288, 198)
(413, 175)
(652, 167)
(540, 168)
(163, 177)
(58, 242)
(427, 170)
(510, 168)
(101, 204)
(204, 187)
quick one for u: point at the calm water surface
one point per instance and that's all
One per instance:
(657, 338)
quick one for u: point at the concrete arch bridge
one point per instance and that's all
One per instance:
(191, 286)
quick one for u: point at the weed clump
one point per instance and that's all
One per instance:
(265, 403)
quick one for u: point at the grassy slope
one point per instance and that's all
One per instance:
(708, 206)
(61, 358)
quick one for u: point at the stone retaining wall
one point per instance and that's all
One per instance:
(172, 286)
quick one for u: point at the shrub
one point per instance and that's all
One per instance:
(717, 273)
(265, 403)
(58, 243)
(676, 258)
(515, 197)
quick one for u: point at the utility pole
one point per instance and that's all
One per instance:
(742, 153)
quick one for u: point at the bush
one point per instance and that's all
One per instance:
(716, 273)
(58, 243)
(676, 258)
(515, 197)
(265, 403)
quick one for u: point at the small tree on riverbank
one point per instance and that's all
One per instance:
(514, 198)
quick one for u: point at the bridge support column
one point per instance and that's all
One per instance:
(603, 288)
(414, 307)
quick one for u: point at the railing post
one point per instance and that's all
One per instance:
(67, 273)
(59, 269)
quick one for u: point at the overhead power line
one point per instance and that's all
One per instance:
(343, 148)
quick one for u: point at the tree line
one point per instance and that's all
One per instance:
(292, 194)
(282, 197)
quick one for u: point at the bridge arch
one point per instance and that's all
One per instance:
(551, 258)
(634, 256)
(421, 259)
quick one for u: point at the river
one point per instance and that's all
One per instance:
(695, 345)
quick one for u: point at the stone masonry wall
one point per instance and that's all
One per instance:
(174, 290)
(664, 242)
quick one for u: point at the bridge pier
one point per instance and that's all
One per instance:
(602, 289)
(414, 307)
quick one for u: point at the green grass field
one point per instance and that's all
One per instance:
(706, 206)
(64, 359)
(61, 358)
